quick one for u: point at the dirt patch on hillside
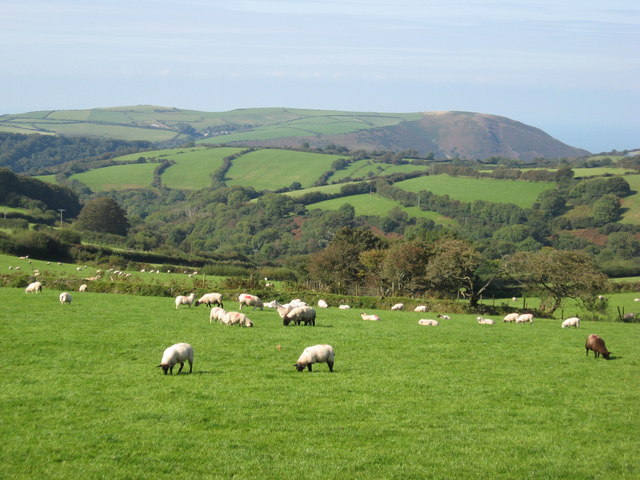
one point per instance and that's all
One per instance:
(591, 235)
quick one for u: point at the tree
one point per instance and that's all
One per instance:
(558, 274)
(606, 210)
(103, 215)
(404, 267)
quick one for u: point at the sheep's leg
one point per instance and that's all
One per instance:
(190, 366)
(181, 365)
(330, 366)
(309, 367)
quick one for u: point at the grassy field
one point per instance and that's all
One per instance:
(362, 168)
(82, 398)
(466, 189)
(118, 177)
(631, 204)
(192, 170)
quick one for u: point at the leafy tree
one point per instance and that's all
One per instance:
(624, 244)
(606, 210)
(558, 274)
(404, 266)
(103, 215)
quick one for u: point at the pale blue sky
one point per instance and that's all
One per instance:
(571, 68)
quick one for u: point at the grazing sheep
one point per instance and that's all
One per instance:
(636, 299)
(250, 301)
(237, 318)
(594, 342)
(82, 288)
(65, 298)
(344, 307)
(374, 318)
(485, 321)
(316, 354)
(178, 353)
(182, 300)
(298, 315)
(444, 317)
(524, 318)
(512, 317)
(33, 287)
(209, 299)
(398, 306)
(271, 304)
(323, 304)
(420, 309)
(428, 322)
(571, 322)
(217, 313)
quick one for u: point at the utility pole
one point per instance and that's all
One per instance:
(61, 210)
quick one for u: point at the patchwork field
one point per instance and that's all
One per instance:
(81, 396)
(118, 177)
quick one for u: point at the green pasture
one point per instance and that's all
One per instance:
(192, 170)
(364, 168)
(47, 178)
(82, 397)
(118, 177)
(270, 169)
(466, 189)
(329, 189)
(631, 204)
(376, 205)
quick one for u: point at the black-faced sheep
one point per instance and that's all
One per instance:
(316, 354)
(178, 353)
(596, 343)
(298, 315)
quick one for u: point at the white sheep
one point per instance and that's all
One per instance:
(420, 309)
(296, 302)
(511, 317)
(428, 322)
(636, 299)
(82, 288)
(323, 304)
(209, 299)
(372, 317)
(34, 287)
(444, 317)
(217, 313)
(250, 301)
(178, 353)
(237, 318)
(344, 307)
(398, 306)
(571, 322)
(271, 304)
(65, 298)
(316, 354)
(525, 318)
(185, 300)
(297, 315)
(485, 321)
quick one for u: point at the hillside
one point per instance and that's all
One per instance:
(444, 134)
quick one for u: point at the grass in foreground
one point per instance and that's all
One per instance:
(81, 396)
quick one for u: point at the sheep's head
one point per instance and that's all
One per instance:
(606, 355)
(165, 367)
(299, 366)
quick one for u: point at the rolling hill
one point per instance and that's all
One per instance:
(444, 134)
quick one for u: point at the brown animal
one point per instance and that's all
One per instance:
(595, 343)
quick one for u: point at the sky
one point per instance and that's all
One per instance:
(570, 68)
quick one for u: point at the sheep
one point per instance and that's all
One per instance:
(485, 321)
(296, 302)
(217, 313)
(323, 304)
(33, 287)
(571, 322)
(398, 306)
(511, 317)
(177, 353)
(210, 299)
(636, 299)
(596, 343)
(297, 315)
(250, 301)
(524, 318)
(82, 288)
(428, 322)
(420, 309)
(374, 318)
(65, 298)
(344, 307)
(444, 317)
(316, 354)
(237, 318)
(182, 300)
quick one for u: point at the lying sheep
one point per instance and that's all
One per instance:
(83, 288)
(485, 321)
(596, 343)
(444, 317)
(178, 353)
(249, 301)
(217, 313)
(298, 315)
(209, 299)
(323, 304)
(398, 306)
(420, 309)
(525, 318)
(316, 354)
(237, 318)
(571, 322)
(428, 322)
(344, 307)
(65, 298)
(373, 318)
(511, 317)
(185, 300)
(34, 287)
